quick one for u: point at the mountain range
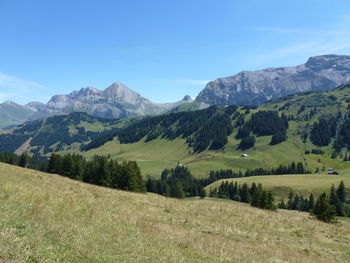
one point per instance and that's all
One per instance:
(319, 73)
(115, 102)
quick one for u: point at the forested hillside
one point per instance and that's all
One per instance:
(312, 128)
(308, 127)
(58, 133)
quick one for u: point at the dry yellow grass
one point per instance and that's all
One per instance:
(47, 218)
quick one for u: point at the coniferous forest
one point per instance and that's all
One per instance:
(325, 208)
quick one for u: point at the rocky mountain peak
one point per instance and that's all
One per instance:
(86, 91)
(187, 98)
(120, 92)
(9, 103)
(328, 62)
(256, 87)
(35, 104)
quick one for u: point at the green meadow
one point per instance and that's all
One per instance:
(48, 218)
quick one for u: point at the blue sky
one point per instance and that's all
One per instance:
(162, 49)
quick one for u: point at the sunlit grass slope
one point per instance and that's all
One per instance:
(158, 154)
(155, 155)
(47, 218)
(282, 185)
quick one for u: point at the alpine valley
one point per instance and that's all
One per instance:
(288, 153)
(313, 126)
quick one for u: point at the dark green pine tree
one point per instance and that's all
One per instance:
(341, 193)
(323, 210)
(247, 142)
(270, 201)
(67, 166)
(78, 169)
(202, 193)
(90, 173)
(290, 200)
(23, 160)
(104, 175)
(282, 205)
(335, 201)
(177, 190)
(151, 186)
(131, 177)
(54, 166)
(245, 196)
(311, 202)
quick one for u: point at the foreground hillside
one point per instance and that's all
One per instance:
(47, 218)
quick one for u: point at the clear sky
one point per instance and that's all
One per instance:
(162, 49)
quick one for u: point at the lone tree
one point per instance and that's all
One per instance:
(323, 210)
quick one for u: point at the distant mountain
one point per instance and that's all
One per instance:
(319, 73)
(115, 102)
(12, 114)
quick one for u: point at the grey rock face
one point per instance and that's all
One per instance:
(256, 87)
(116, 101)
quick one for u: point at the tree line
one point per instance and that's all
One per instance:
(292, 168)
(125, 175)
(336, 129)
(203, 129)
(325, 208)
(254, 195)
(100, 170)
(262, 123)
(25, 160)
(179, 182)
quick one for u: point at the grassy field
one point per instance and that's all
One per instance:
(47, 218)
(158, 154)
(282, 185)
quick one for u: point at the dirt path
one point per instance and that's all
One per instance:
(24, 147)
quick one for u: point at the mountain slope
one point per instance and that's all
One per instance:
(57, 133)
(256, 87)
(208, 139)
(162, 141)
(49, 218)
(12, 114)
(115, 102)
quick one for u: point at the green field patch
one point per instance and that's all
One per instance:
(282, 185)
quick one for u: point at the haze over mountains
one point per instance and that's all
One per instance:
(245, 88)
